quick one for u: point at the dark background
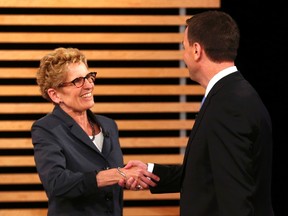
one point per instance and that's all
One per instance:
(261, 60)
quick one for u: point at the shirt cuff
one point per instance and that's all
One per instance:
(150, 167)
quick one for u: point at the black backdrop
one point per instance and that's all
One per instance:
(261, 60)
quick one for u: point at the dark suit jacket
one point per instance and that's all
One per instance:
(227, 165)
(67, 162)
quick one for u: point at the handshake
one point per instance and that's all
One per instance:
(135, 176)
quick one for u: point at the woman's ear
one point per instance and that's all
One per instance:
(54, 95)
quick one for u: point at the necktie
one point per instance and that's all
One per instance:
(203, 99)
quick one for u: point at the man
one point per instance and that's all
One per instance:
(227, 164)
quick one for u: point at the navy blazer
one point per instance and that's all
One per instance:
(67, 162)
(228, 159)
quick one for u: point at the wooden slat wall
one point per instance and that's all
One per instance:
(111, 4)
(142, 82)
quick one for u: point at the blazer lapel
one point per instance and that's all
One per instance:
(107, 146)
(75, 129)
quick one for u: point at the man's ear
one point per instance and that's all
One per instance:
(54, 95)
(197, 50)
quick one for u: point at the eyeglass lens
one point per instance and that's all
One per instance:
(79, 82)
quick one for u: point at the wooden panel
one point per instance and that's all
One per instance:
(23, 196)
(146, 195)
(23, 212)
(40, 196)
(19, 161)
(96, 55)
(161, 159)
(106, 72)
(25, 37)
(23, 178)
(152, 211)
(92, 20)
(23, 161)
(33, 90)
(129, 142)
(15, 143)
(127, 211)
(111, 3)
(141, 107)
(25, 125)
(155, 124)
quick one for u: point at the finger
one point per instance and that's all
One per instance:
(129, 182)
(139, 187)
(134, 185)
(148, 181)
(128, 165)
(151, 176)
(142, 185)
(121, 182)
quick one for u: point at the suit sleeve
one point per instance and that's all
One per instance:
(170, 178)
(230, 143)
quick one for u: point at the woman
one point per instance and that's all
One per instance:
(77, 154)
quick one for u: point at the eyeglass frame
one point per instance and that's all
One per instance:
(73, 82)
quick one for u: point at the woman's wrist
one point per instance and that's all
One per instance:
(120, 172)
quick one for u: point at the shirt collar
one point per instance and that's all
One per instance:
(219, 76)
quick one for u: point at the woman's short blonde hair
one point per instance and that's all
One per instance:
(53, 68)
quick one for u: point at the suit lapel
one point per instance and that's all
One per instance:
(227, 79)
(194, 129)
